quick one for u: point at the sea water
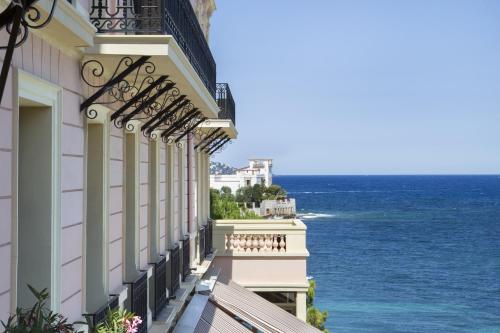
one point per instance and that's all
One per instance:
(403, 253)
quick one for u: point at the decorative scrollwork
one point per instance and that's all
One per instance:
(148, 103)
(30, 18)
(118, 122)
(120, 88)
(91, 113)
(130, 127)
(16, 19)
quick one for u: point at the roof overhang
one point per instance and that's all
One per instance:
(167, 57)
(225, 125)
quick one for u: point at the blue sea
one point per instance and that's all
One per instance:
(403, 253)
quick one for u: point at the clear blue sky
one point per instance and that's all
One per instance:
(362, 87)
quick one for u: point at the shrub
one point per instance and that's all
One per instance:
(117, 321)
(315, 317)
(37, 319)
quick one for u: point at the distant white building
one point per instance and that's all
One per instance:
(284, 207)
(259, 171)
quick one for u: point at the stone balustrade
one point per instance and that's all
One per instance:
(260, 237)
(255, 243)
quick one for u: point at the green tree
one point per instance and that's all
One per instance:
(224, 206)
(244, 194)
(311, 292)
(257, 193)
(315, 317)
(274, 192)
(226, 190)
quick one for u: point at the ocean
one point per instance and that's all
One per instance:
(403, 253)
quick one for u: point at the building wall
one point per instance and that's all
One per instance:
(50, 64)
(204, 10)
(54, 66)
(116, 211)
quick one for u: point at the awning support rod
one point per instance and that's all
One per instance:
(161, 116)
(219, 146)
(137, 97)
(207, 137)
(211, 141)
(190, 129)
(179, 123)
(89, 101)
(148, 102)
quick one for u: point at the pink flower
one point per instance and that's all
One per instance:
(131, 326)
(136, 321)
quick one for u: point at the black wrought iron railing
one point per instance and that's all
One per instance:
(172, 17)
(208, 237)
(185, 258)
(174, 269)
(100, 315)
(201, 242)
(160, 278)
(226, 102)
(139, 299)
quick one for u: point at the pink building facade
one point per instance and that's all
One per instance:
(88, 207)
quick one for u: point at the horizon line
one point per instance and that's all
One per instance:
(394, 175)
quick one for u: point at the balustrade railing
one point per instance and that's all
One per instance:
(201, 242)
(283, 237)
(174, 269)
(100, 315)
(209, 237)
(160, 278)
(225, 102)
(139, 299)
(255, 243)
(172, 17)
(185, 258)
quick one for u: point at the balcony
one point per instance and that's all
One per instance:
(226, 102)
(262, 254)
(159, 17)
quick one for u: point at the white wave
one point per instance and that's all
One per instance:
(310, 216)
(308, 192)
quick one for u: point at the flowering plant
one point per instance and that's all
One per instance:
(38, 318)
(118, 321)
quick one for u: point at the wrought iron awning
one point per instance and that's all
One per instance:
(17, 19)
(212, 140)
(221, 144)
(138, 93)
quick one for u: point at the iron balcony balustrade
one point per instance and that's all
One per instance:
(185, 258)
(208, 237)
(159, 17)
(201, 242)
(225, 102)
(160, 288)
(100, 315)
(174, 270)
(139, 299)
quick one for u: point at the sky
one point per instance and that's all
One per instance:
(362, 87)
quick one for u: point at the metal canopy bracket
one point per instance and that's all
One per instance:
(219, 146)
(190, 129)
(207, 137)
(17, 19)
(179, 123)
(164, 114)
(130, 66)
(145, 104)
(215, 143)
(137, 97)
(211, 141)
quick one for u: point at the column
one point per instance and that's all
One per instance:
(301, 309)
